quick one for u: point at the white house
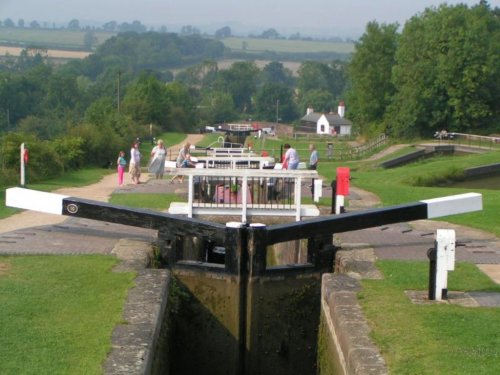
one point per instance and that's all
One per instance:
(326, 123)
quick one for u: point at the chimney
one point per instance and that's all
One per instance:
(341, 109)
(309, 110)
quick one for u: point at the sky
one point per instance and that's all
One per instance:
(346, 18)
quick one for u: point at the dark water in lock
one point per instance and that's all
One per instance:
(481, 182)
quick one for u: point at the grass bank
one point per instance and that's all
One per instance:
(58, 312)
(431, 338)
(405, 184)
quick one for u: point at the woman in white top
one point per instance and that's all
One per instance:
(158, 155)
(135, 163)
(291, 158)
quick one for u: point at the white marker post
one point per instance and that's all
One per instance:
(23, 150)
(318, 189)
(445, 261)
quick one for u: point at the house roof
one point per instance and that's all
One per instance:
(332, 118)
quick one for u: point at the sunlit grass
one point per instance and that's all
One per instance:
(431, 339)
(396, 185)
(57, 312)
(157, 202)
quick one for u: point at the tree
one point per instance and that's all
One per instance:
(216, 107)
(109, 26)
(270, 34)
(321, 101)
(447, 72)
(89, 39)
(43, 127)
(74, 24)
(9, 23)
(199, 76)
(136, 26)
(34, 25)
(313, 75)
(370, 72)
(62, 93)
(20, 23)
(146, 101)
(240, 80)
(181, 117)
(224, 32)
(274, 101)
(275, 72)
(20, 96)
(189, 30)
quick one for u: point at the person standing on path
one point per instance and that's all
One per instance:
(291, 158)
(158, 155)
(135, 163)
(313, 163)
(121, 164)
(314, 158)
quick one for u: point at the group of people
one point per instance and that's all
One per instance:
(159, 154)
(157, 162)
(291, 158)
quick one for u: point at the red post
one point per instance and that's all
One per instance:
(343, 175)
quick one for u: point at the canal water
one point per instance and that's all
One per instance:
(480, 182)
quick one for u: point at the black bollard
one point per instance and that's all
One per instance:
(432, 255)
(334, 195)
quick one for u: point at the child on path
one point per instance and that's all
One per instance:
(121, 163)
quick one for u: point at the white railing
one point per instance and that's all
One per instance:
(236, 161)
(234, 151)
(247, 192)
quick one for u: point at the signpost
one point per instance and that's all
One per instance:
(24, 156)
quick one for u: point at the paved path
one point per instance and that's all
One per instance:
(31, 232)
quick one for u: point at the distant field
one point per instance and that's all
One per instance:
(52, 53)
(290, 46)
(68, 44)
(47, 37)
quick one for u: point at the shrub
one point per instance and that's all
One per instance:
(43, 160)
(70, 150)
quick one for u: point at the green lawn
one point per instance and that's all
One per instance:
(157, 202)
(57, 312)
(404, 184)
(431, 339)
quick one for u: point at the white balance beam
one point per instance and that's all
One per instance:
(34, 200)
(453, 205)
(426, 209)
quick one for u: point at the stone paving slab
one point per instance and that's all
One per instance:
(401, 241)
(465, 299)
(73, 236)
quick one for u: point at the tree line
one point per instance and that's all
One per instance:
(440, 71)
(137, 26)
